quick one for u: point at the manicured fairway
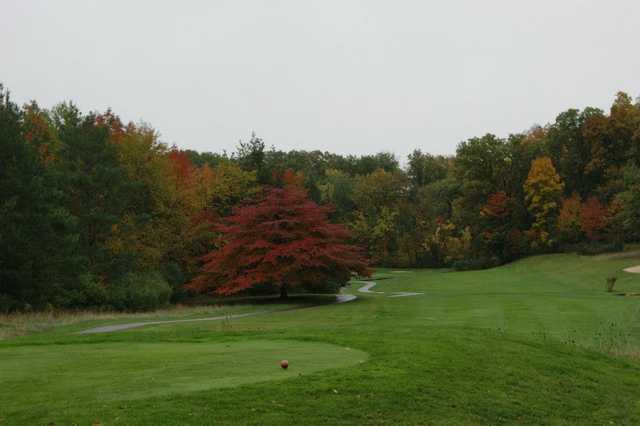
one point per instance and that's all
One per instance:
(535, 342)
(556, 296)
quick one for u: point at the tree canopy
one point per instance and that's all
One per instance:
(96, 212)
(283, 239)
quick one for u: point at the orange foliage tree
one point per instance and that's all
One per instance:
(569, 219)
(495, 213)
(594, 218)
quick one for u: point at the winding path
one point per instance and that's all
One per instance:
(368, 285)
(340, 298)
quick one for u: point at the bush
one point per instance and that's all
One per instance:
(611, 282)
(89, 292)
(139, 291)
(476, 263)
(176, 278)
(7, 304)
(330, 287)
(593, 248)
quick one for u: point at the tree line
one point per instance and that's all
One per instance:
(96, 212)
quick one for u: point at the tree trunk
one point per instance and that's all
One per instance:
(283, 292)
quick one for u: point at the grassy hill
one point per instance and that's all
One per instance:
(538, 341)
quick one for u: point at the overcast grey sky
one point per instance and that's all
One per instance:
(345, 76)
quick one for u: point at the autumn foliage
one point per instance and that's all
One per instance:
(93, 208)
(496, 206)
(594, 218)
(284, 239)
(543, 189)
(569, 218)
(495, 213)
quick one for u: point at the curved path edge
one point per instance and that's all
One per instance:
(368, 285)
(340, 298)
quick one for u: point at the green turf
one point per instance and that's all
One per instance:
(535, 342)
(123, 371)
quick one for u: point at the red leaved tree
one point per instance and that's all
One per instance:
(495, 220)
(284, 239)
(594, 218)
(496, 207)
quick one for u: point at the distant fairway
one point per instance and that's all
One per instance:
(535, 342)
(553, 296)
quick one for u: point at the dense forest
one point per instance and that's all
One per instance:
(95, 212)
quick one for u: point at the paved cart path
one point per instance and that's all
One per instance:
(340, 298)
(368, 285)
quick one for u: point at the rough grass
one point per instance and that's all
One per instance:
(21, 323)
(18, 324)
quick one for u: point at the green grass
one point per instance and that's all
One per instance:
(122, 371)
(535, 342)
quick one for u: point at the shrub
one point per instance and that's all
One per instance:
(139, 291)
(175, 277)
(88, 292)
(330, 287)
(594, 248)
(476, 263)
(611, 282)
(7, 304)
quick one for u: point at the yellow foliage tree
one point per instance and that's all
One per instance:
(147, 230)
(543, 189)
(448, 243)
